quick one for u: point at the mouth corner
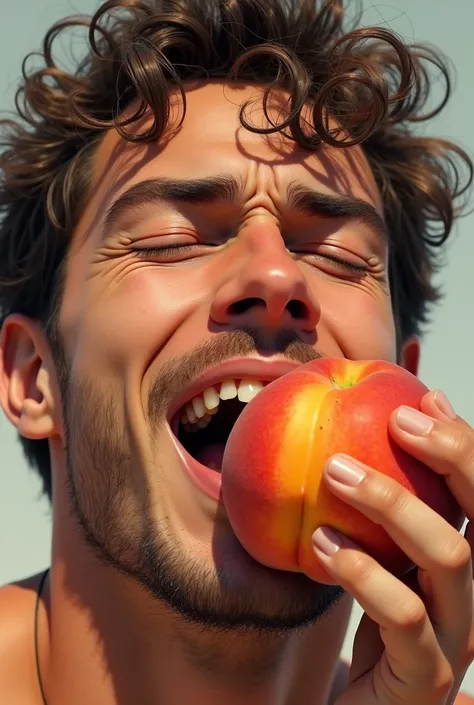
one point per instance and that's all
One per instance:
(203, 417)
(206, 479)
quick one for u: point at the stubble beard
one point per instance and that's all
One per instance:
(123, 533)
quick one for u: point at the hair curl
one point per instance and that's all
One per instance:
(138, 51)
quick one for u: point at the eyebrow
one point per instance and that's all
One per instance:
(325, 205)
(225, 188)
(211, 190)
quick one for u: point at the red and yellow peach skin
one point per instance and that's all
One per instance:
(272, 482)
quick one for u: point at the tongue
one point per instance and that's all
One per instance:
(211, 455)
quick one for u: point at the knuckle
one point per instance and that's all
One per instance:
(457, 555)
(444, 679)
(436, 676)
(460, 447)
(361, 569)
(440, 688)
(392, 499)
(412, 616)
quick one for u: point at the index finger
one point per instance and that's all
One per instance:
(448, 450)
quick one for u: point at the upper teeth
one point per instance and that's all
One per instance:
(198, 412)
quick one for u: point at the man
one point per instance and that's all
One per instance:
(222, 190)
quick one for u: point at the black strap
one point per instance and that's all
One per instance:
(38, 670)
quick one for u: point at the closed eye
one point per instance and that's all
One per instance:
(168, 251)
(339, 261)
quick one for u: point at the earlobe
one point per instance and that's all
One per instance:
(26, 389)
(410, 354)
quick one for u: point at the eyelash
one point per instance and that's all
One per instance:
(150, 251)
(356, 268)
(177, 248)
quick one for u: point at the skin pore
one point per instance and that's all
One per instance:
(151, 599)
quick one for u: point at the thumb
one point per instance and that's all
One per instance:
(361, 692)
(367, 650)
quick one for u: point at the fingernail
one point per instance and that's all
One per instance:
(326, 540)
(345, 470)
(443, 404)
(414, 422)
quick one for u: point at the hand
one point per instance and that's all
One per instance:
(416, 638)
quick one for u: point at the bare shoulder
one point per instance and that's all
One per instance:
(17, 657)
(17, 602)
(342, 675)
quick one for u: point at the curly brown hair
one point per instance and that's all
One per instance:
(372, 85)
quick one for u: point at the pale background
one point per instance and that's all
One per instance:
(447, 350)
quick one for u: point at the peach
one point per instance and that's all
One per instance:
(272, 483)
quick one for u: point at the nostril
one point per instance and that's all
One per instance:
(297, 309)
(244, 305)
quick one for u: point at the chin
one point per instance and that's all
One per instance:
(213, 582)
(174, 540)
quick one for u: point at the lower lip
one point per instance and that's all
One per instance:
(205, 479)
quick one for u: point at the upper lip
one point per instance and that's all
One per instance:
(236, 368)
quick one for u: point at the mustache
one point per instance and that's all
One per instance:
(180, 371)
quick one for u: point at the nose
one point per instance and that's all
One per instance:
(267, 288)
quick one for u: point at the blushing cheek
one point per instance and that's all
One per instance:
(362, 324)
(124, 320)
(148, 306)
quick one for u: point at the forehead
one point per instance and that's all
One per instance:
(211, 140)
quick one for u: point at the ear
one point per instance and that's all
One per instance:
(410, 354)
(26, 379)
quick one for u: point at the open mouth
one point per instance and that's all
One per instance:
(203, 424)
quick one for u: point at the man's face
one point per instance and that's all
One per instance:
(181, 296)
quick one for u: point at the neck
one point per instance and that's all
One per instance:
(111, 643)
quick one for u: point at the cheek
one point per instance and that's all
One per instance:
(361, 321)
(126, 319)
